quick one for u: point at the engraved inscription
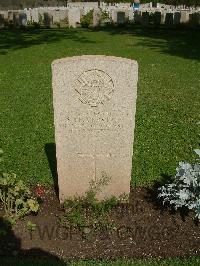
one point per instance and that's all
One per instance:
(94, 120)
(94, 87)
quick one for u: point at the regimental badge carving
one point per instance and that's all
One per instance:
(94, 87)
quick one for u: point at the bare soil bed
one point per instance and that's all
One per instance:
(144, 229)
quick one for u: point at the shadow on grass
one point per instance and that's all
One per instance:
(182, 41)
(13, 39)
(11, 252)
(50, 150)
(152, 197)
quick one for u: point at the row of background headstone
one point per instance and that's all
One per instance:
(118, 14)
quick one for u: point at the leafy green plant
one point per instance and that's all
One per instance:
(88, 212)
(87, 19)
(104, 16)
(185, 190)
(31, 226)
(16, 197)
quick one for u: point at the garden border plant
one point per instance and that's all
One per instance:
(185, 190)
(87, 213)
(16, 197)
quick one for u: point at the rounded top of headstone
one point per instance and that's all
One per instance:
(94, 58)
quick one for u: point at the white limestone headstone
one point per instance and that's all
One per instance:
(94, 100)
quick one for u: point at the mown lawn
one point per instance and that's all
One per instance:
(167, 128)
(170, 262)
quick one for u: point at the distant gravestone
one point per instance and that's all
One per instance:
(10, 16)
(145, 19)
(169, 19)
(23, 19)
(177, 18)
(28, 15)
(2, 21)
(157, 18)
(96, 17)
(163, 15)
(56, 16)
(74, 17)
(121, 19)
(194, 19)
(35, 16)
(48, 20)
(137, 17)
(5, 14)
(184, 17)
(16, 19)
(94, 116)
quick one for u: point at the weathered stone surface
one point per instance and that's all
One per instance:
(169, 19)
(145, 19)
(10, 16)
(22, 19)
(137, 16)
(16, 19)
(184, 17)
(74, 17)
(2, 21)
(157, 18)
(121, 19)
(35, 16)
(194, 19)
(94, 115)
(177, 18)
(96, 17)
(48, 20)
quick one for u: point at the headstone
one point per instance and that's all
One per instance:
(194, 19)
(177, 18)
(96, 17)
(63, 15)
(2, 21)
(35, 15)
(28, 15)
(16, 19)
(121, 20)
(130, 15)
(5, 14)
(48, 20)
(163, 15)
(157, 18)
(169, 19)
(94, 116)
(74, 17)
(10, 16)
(113, 15)
(137, 16)
(145, 19)
(23, 19)
(184, 17)
(56, 16)
(63, 18)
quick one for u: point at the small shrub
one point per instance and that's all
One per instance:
(185, 190)
(15, 196)
(104, 16)
(87, 19)
(87, 212)
(31, 226)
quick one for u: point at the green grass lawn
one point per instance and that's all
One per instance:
(170, 262)
(167, 128)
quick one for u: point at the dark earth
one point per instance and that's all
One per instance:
(144, 229)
